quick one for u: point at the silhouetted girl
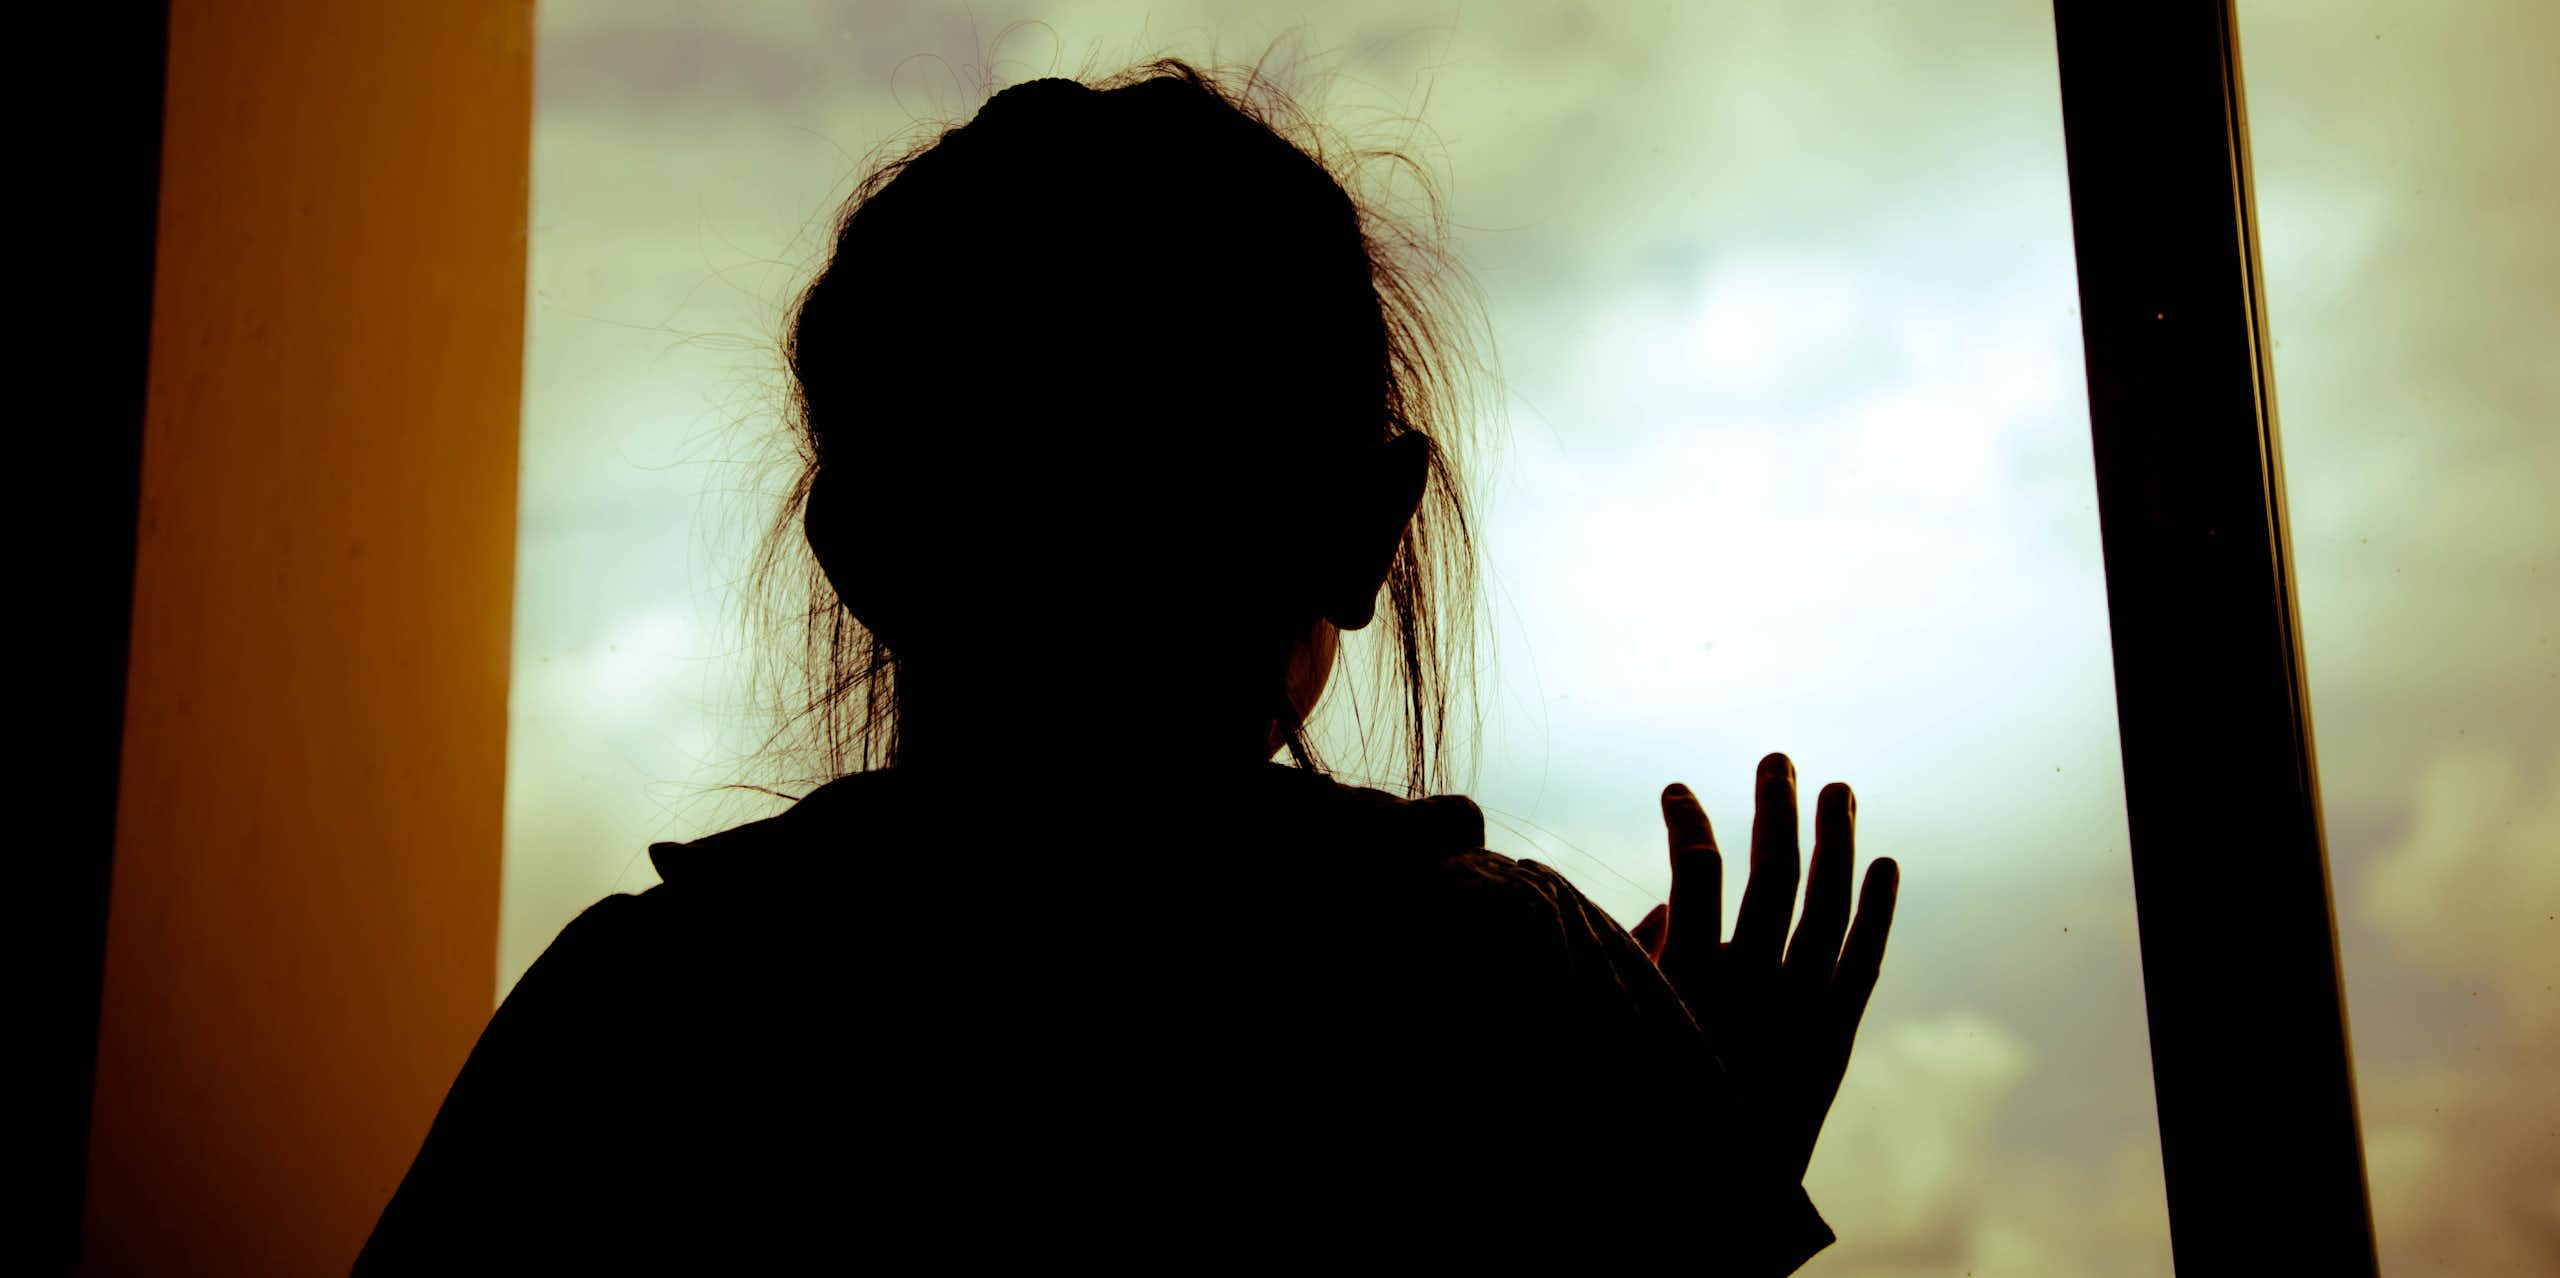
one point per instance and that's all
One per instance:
(1116, 406)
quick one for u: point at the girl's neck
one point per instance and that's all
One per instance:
(975, 729)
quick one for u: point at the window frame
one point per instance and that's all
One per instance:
(2255, 1083)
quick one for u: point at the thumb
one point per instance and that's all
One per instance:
(1650, 931)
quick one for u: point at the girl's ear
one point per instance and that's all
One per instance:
(1382, 501)
(819, 522)
(826, 521)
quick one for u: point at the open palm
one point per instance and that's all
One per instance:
(1782, 1015)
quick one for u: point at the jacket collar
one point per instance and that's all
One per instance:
(1270, 800)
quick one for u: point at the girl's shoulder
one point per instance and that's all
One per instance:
(1279, 845)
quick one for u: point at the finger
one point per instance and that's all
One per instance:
(1863, 958)
(1815, 951)
(1760, 932)
(1648, 931)
(1693, 925)
(1684, 820)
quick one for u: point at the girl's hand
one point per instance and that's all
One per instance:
(1782, 1016)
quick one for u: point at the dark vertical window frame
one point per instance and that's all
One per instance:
(91, 219)
(2258, 1126)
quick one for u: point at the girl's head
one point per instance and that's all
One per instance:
(1114, 404)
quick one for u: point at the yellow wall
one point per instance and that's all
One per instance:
(301, 938)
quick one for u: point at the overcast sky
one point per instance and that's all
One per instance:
(1785, 314)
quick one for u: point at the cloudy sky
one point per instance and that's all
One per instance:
(1794, 457)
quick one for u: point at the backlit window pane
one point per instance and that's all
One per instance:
(1796, 459)
(2406, 201)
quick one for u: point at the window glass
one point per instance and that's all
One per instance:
(1795, 457)
(2406, 200)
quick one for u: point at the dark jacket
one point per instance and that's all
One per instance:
(1264, 1018)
